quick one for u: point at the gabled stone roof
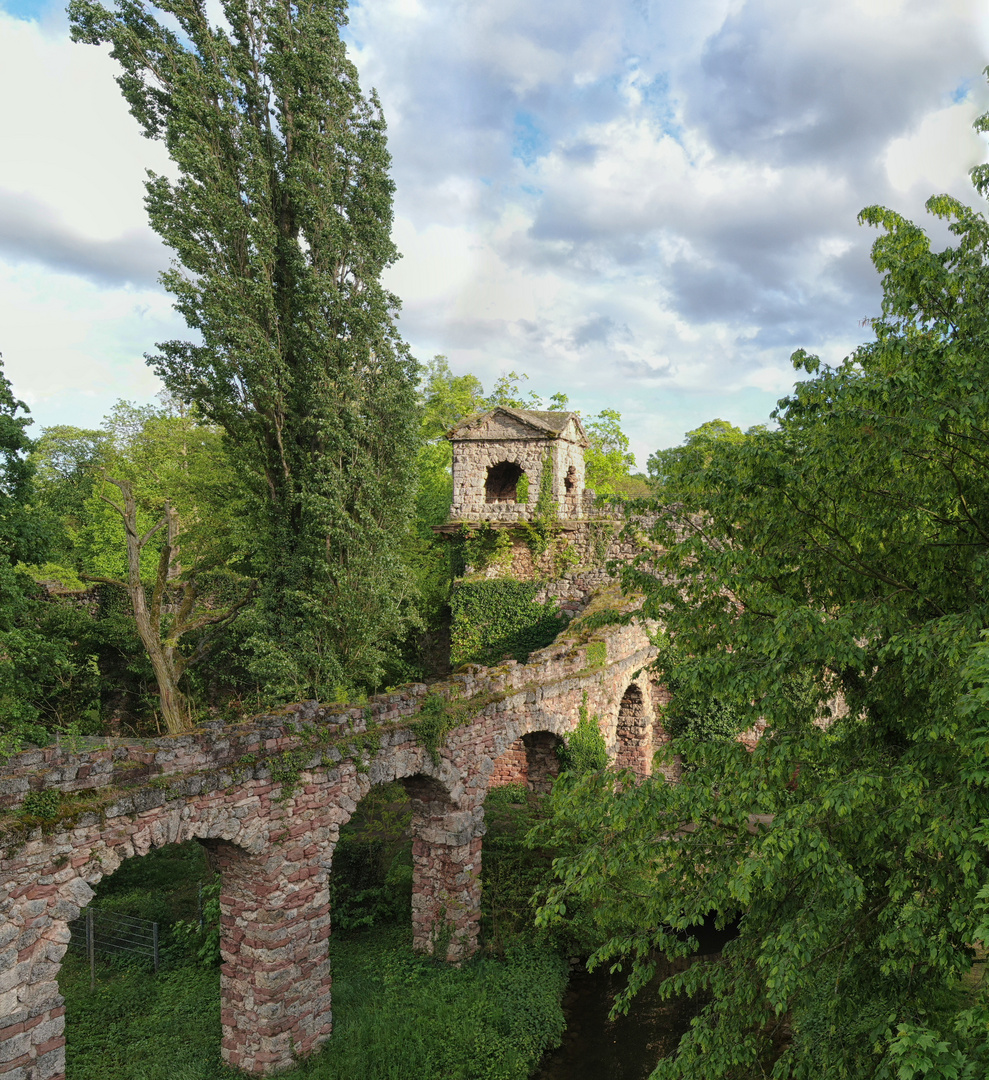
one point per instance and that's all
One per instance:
(550, 424)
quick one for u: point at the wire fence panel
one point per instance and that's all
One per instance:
(105, 933)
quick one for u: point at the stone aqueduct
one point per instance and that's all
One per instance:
(266, 798)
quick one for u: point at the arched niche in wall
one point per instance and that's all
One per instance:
(501, 484)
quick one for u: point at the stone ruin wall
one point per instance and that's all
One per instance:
(507, 440)
(273, 843)
(595, 543)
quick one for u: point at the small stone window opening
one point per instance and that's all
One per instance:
(570, 480)
(502, 482)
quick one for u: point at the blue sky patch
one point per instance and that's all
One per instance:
(529, 141)
(26, 9)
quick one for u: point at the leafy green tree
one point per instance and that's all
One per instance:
(829, 576)
(150, 507)
(280, 220)
(34, 662)
(685, 465)
(608, 458)
(171, 494)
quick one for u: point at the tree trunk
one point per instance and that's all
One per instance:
(174, 709)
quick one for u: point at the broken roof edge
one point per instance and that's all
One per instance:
(549, 423)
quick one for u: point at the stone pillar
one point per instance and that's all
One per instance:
(275, 978)
(634, 735)
(661, 698)
(34, 935)
(446, 871)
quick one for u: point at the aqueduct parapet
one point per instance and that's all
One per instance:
(267, 796)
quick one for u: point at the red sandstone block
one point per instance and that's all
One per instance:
(9, 1032)
(262, 890)
(39, 891)
(9, 1066)
(60, 1011)
(52, 1044)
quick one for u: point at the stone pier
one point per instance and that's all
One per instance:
(267, 797)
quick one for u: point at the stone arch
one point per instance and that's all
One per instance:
(275, 978)
(501, 482)
(633, 731)
(532, 760)
(447, 826)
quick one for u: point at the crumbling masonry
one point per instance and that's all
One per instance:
(267, 796)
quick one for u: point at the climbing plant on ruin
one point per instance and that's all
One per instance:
(280, 222)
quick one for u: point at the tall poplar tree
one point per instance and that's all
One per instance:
(280, 222)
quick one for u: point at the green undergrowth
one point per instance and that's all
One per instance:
(371, 883)
(397, 1016)
(511, 871)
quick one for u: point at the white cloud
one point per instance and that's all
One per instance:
(936, 153)
(69, 142)
(646, 206)
(71, 348)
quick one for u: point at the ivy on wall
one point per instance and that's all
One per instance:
(498, 618)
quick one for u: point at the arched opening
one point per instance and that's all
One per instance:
(532, 761)
(408, 847)
(501, 485)
(120, 1010)
(633, 735)
(243, 974)
(371, 878)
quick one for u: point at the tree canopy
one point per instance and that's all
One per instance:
(829, 576)
(280, 222)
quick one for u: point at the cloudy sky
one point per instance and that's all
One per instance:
(646, 204)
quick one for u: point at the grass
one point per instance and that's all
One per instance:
(397, 1016)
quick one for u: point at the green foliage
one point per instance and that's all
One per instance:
(397, 1015)
(33, 662)
(203, 935)
(685, 467)
(484, 547)
(507, 393)
(163, 886)
(280, 220)
(692, 714)
(446, 399)
(133, 1026)
(43, 805)
(498, 618)
(546, 508)
(584, 749)
(843, 553)
(371, 882)
(597, 653)
(436, 717)
(511, 873)
(608, 459)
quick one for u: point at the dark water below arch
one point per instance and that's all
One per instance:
(628, 1047)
